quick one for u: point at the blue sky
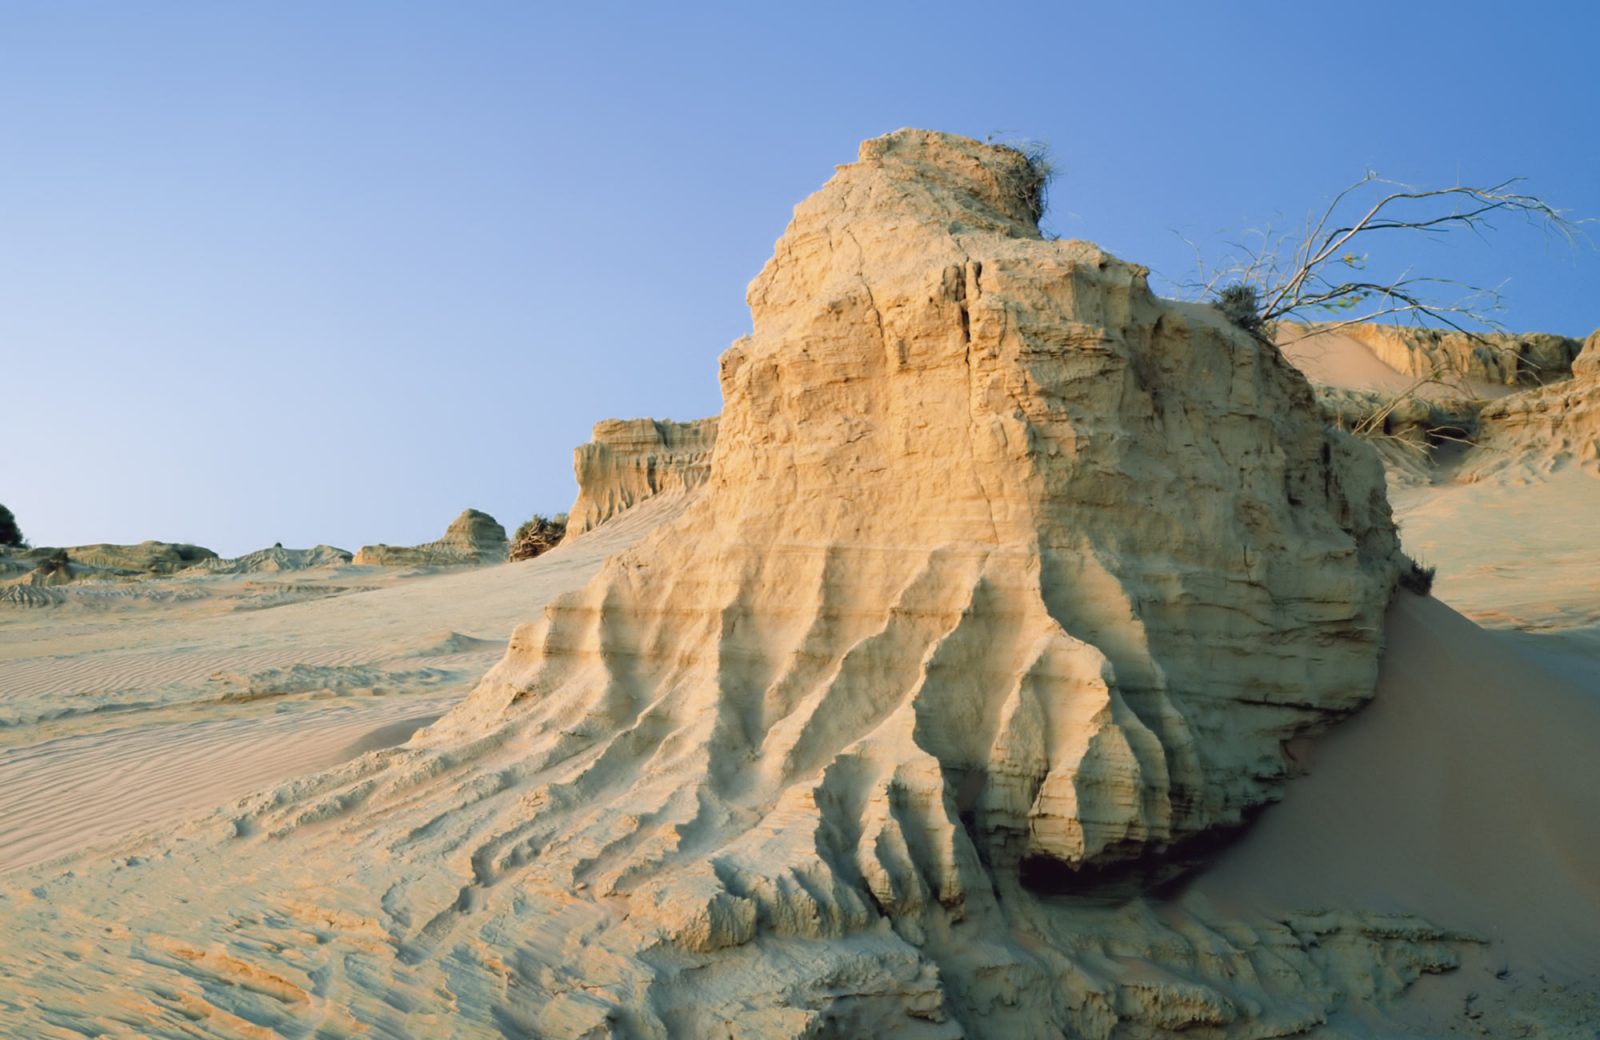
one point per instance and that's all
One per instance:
(333, 272)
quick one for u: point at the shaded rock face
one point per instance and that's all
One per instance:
(473, 538)
(1497, 358)
(1540, 431)
(630, 460)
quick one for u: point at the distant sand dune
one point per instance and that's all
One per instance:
(115, 724)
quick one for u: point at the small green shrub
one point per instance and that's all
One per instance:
(1414, 577)
(56, 563)
(1241, 304)
(10, 533)
(537, 536)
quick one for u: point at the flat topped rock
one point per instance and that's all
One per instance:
(631, 460)
(472, 539)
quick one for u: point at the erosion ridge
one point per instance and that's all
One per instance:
(1007, 583)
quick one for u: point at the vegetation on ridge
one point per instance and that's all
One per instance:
(537, 536)
(10, 533)
(1323, 270)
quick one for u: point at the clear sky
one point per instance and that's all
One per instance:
(332, 272)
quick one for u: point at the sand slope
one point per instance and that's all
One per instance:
(65, 794)
(141, 710)
(1468, 792)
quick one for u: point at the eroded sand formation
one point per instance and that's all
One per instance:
(472, 539)
(1545, 429)
(631, 460)
(1525, 408)
(1508, 359)
(35, 576)
(887, 755)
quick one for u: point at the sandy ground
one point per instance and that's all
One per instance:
(1517, 556)
(1471, 773)
(126, 707)
(1334, 359)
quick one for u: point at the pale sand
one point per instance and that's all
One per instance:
(65, 794)
(1335, 359)
(1520, 556)
(1468, 793)
(111, 724)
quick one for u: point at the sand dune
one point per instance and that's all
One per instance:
(1468, 792)
(1341, 359)
(1521, 556)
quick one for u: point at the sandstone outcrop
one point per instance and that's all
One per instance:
(944, 429)
(1539, 431)
(630, 460)
(1008, 576)
(472, 539)
(1521, 359)
(1007, 584)
(160, 558)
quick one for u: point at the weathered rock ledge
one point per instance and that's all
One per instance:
(631, 460)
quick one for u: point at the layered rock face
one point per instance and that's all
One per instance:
(1007, 580)
(472, 538)
(1086, 555)
(630, 460)
(1496, 358)
(1008, 573)
(1539, 431)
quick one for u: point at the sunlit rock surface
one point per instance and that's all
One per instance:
(1008, 581)
(631, 460)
